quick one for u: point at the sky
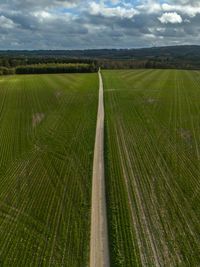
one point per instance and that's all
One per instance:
(96, 24)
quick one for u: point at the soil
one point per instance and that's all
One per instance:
(99, 249)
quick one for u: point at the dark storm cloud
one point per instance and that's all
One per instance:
(57, 24)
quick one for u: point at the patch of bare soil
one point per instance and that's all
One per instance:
(58, 94)
(151, 100)
(37, 118)
(37, 147)
(186, 135)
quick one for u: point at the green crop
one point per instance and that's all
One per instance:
(47, 132)
(152, 166)
(152, 161)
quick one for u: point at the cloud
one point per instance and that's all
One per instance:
(101, 9)
(6, 23)
(190, 11)
(115, 2)
(42, 14)
(186, 2)
(46, 4)
(81, 24)
(150, 7)
(170, 18)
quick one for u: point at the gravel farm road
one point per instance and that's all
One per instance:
(99, 249)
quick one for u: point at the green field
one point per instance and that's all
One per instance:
(47, 132)
(152, 143)
(152, 160)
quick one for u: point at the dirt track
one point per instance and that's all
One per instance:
(99, 251)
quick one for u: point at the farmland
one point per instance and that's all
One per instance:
(152, 158)
(47, 132)
(152, 164)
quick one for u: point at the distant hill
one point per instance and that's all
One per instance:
(188, 52)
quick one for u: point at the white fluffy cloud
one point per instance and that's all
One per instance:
(103, 10)
(172, 17)
(42, 14)
(188, 10)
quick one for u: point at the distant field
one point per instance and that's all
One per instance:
(153, 166)
(47, 132)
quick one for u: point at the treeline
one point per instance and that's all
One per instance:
(170, 57)
(7, 71)
(50, 68)
(14, 61)
(156, 63)
(121, 64)
(56, 68)
(151, 58)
